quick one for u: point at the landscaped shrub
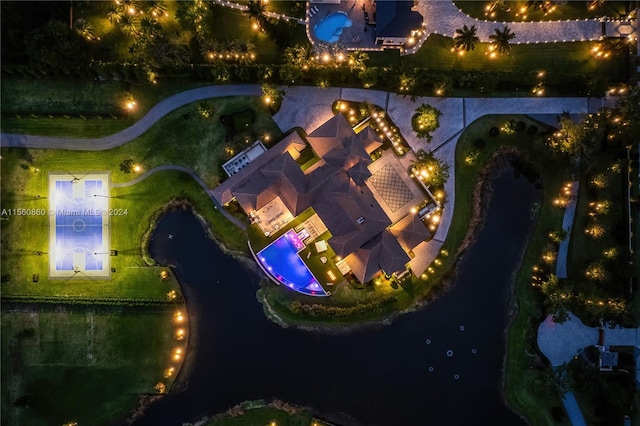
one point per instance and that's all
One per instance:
(520, 126)
(532, 130)
(494, 132)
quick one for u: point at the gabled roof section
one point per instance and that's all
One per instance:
(392, 257)
(359, 173)
(350, 212)
(363, 263)
(369, 139)
(410, 231)
(331, 135)
(396, 19)
(381, 253)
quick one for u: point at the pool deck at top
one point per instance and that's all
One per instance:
(352, 37)
(77, 222)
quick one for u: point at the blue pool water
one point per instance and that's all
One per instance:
(280, 260)
(330, 28)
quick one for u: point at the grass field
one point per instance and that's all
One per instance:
(132, 279)
(86, 365)
(552, 57)
(182, 137)
(58, 98)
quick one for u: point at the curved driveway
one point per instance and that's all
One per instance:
(161, 109)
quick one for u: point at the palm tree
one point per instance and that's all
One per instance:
(149, 27)
(246, 51)
(500, 40)
(298, 55)
(210, 48)
(256, 10)
(129, 25)
(466, 38)
(357, 60)
(157, 9)
(114, 14)
(84, 28)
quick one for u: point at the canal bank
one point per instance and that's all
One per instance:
(442, 363)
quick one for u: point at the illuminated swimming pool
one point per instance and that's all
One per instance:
(330, 28)
(281, 261)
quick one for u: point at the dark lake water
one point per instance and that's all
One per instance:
(386, 375)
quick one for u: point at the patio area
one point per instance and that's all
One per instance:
(359, 35)
(392, 187)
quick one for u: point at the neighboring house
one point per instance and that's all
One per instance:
(273, 190)
(396, 22)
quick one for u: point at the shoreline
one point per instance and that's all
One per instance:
(482, 194)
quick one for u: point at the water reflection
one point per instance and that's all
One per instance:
(441, 365)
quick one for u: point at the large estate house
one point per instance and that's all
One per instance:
(328, 208)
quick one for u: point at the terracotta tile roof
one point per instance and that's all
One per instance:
(410, 231)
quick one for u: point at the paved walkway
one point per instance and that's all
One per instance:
(195, 177)
(158, 111)
(444, 17)
(567, 224)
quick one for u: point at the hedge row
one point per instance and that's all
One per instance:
(318, 310)
(81, 300)
(382, 78)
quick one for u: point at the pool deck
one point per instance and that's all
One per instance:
(354, 37)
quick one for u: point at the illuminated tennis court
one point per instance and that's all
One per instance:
(79, 225)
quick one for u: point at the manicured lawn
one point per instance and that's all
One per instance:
(62, 97)
(86, 366)
(133, 278)
(567, 58)
(569, 10)
(195, 142)
(296, 9)
(585, 249)
(43, 97)
(182, 137)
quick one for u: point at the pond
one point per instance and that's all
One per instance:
(440, 365)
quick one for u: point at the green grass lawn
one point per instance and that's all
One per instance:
(553, 58)
(133, 278)
(44, 97)
(232, 24)
(194, 143)
(86, 366)
(585, 249)
(512, 11)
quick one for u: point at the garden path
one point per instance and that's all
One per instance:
(243, 8)
(195, 177)
(567, 224)
(158, 111)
